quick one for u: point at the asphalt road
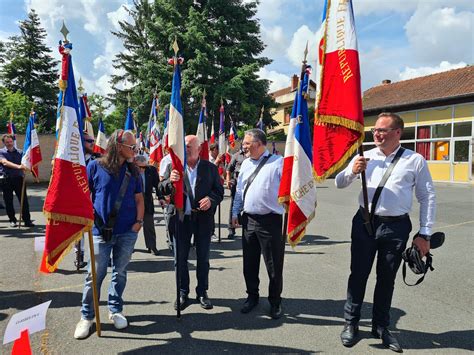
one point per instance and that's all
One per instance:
(434, 317)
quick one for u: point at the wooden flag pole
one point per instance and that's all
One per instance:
(23, 187)
(367, 221)
(219, 221)
(95, 292)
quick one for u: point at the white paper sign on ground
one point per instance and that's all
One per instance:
(39, 243)
(33, 319)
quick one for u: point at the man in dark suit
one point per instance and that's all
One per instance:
(150, 180)
(203, 192)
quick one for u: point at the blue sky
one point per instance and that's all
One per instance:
(398, 39)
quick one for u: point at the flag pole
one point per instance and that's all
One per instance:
(219, 221)
(366, 215)
(94, 283)
(22, 199)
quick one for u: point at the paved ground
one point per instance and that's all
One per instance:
(435, 317)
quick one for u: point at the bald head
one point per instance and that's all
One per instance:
(193, 148)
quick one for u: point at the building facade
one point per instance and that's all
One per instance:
(438, 111)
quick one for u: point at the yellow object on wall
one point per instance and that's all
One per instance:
(441, 151)
(461, 172)
(463, 112)
(440, 171)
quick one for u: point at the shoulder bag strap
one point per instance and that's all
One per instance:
(252, 177)
(118, 202)
(385, 177)
(189, 190)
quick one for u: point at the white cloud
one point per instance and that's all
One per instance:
(269, 10)
(297, 46)
(371, 7)
(442, 34)
(277, 80)
(118, 15)
(275, 41)
(410, 73)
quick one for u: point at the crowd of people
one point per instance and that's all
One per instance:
(125, 189)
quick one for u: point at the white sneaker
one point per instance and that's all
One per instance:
(214, 238)
(119, 320)
(83, 328)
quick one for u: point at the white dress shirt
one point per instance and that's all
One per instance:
(262, 195)
(192, 176)
(411, 172)
(164, 164)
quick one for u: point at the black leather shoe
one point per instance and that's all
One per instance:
(183, 302)
(249, 304)
(388, 339)
(155, 251)
(29, 224)
(204, 301)
(349, 334)
(276, 311)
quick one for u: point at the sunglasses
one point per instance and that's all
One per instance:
(89, 140)
(131, 147)
(142, 167)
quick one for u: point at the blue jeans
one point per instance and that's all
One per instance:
(121, 247)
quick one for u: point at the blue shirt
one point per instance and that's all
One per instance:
(192, 176)
(14, 157)
(262, 195)
(105, 188)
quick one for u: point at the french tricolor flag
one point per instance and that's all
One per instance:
(202, 131)
(232, 135)
(31, 150)
(12, 130)
(212, 140)
(221, 130)
(339, 121)
(176, 135)
(297, 187)
(68, 205)
(164, 141)
(101, 141)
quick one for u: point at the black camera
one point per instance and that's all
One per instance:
(107, 234)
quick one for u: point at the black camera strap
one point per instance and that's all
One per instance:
(118, 203)
(254, 174)
(428, 266)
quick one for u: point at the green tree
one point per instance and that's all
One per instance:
(30, 69)
(220, 42)
(16, 103)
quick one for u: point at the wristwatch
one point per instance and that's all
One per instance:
(425, 237)
(139, 221)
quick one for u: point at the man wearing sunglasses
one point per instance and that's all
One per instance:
(116, 192)
(390, 223)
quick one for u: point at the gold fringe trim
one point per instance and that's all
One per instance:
(63, 249)
(284, 201)
(302, 228)
(67, 218)
(340, 121)
(340, 163)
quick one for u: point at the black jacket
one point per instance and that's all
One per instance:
(207, 184)
(151, 182)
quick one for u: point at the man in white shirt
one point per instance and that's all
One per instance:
(391, 225)
(261, 220)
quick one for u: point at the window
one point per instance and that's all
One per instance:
(410, 146)
(286, 118)
(424, 148)
(441, 130)
(440, 150)
(461, 151)
(408, 133)
(463, 129)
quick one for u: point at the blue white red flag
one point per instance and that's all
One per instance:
(301, 200)
(339, 121)
(101, 141)
(232, 135)
(31, 150)
(212, 139)
(12, 130)
(202, 131)
(67, 206)
(222, 145)
(151, 121)
(176, 136)
(164, 141)
(85, 115)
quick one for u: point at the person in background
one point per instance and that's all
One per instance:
(12, 174)
(232, 173)
(150, 180)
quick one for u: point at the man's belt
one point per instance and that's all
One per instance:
(387, 218)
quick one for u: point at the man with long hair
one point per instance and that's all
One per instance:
(117, 197)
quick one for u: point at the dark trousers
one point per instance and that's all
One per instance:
(203, 244)
(388, 243)
(149, 231)
(262, 235)
(14, 185)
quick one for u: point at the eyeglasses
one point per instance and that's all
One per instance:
(141, 167)
(131, 147)
(89, 140)
(382, 130)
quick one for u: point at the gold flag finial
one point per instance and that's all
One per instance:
(175, 47)
(81, 88)
(65, 32)
(305, 53)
